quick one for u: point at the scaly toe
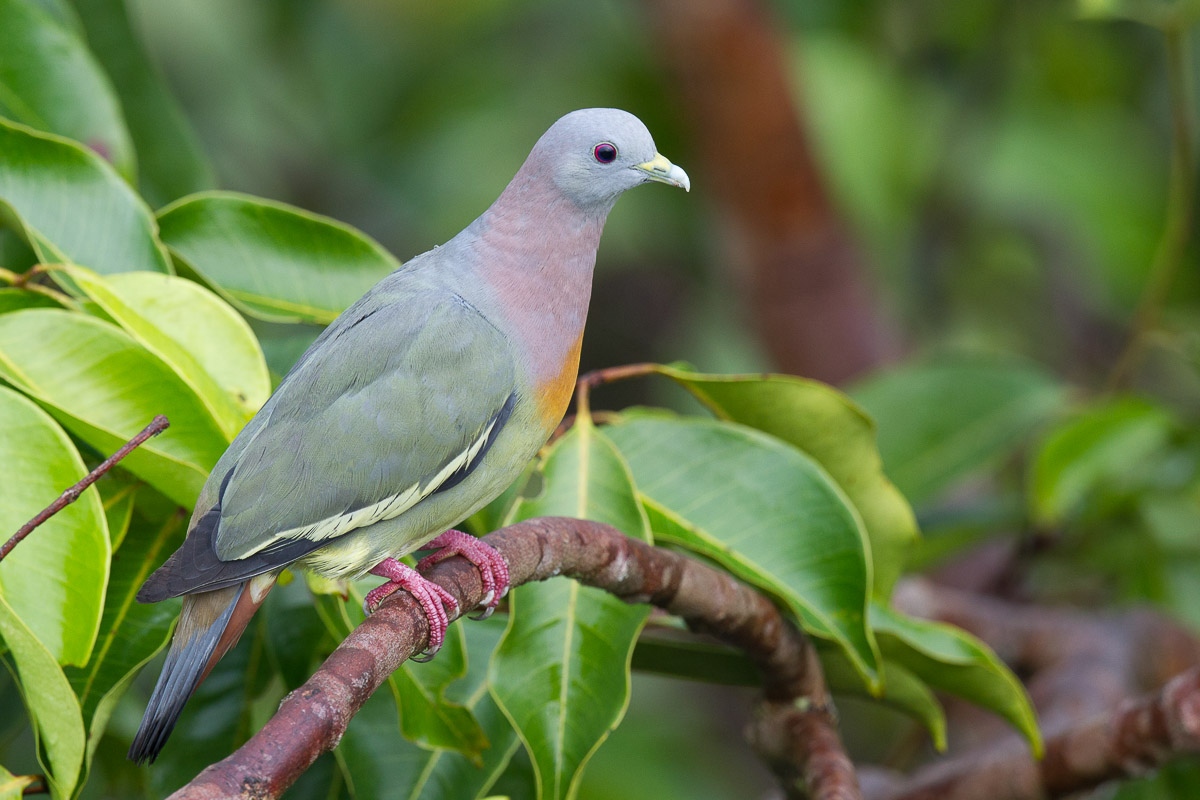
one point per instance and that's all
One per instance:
(493, 569)
(437, 604)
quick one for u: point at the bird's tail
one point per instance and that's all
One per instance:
(211, 623)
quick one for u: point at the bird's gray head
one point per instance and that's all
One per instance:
(595, 154)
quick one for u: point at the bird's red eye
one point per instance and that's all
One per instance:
(605, 153)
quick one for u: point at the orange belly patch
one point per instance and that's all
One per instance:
(555, 393)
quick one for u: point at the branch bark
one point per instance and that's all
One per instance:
(1127, 742)
(1083, 670)
(796, 728)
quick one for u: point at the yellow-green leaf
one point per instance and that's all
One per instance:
(941, 423)
(51, 703)
(1113, 439)
(55, 579)
(208, 344)
(104, 388)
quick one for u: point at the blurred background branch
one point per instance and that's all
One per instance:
(806, 287)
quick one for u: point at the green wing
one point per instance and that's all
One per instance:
(398, 398)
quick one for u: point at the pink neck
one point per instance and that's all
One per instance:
(539, 269)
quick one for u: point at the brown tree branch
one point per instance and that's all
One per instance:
(1078, 663)
(1089, 675)
(796, 727)
(156, 426)
(1127, 742)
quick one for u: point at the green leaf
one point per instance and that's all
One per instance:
(72, 206)
(104, 388)
(62, 13)
(954, 661)
(374, 758)
(54, 580)
(1178, 778)
(663, 649)
(15, 253)
(50, 81)
(283, 343)
(17, 299)
(117, 492)
(298, 640)
(273, 261)
(561, 673)
(426, 716)
(835, 433)
(206, 342)
(761, 509)
(380, 767)
(11, 786)
(1165, 15)
(171, 163)
(902, 690)
(447, 775)
(51, 703)
(940, 424)
(694, 659)
(1104, 443)
(131, 633)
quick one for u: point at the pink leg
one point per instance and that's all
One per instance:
(492, 567)
(434, 599)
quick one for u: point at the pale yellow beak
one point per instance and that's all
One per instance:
(663, 171)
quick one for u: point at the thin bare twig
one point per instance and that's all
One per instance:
(589, 380)
(21, 280)
(156, 426)
(311, 720)
(37, 784)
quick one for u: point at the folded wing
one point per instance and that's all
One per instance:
(399, 399)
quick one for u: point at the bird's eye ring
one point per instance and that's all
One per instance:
(605, 152)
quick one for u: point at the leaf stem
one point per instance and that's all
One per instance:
(156, 426)
(1180, 206)
(596, 377)
(21, 280)
(37, 784)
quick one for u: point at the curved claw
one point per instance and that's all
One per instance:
(438, 604)
(488, 606)
(493, 569)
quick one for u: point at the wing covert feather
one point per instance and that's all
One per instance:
(383, 402)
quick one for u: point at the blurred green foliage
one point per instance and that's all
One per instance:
(1005, 168)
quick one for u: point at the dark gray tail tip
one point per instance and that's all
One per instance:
(152, 591)
(149, 741)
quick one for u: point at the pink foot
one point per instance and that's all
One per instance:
(434, 599)
(493, 569)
